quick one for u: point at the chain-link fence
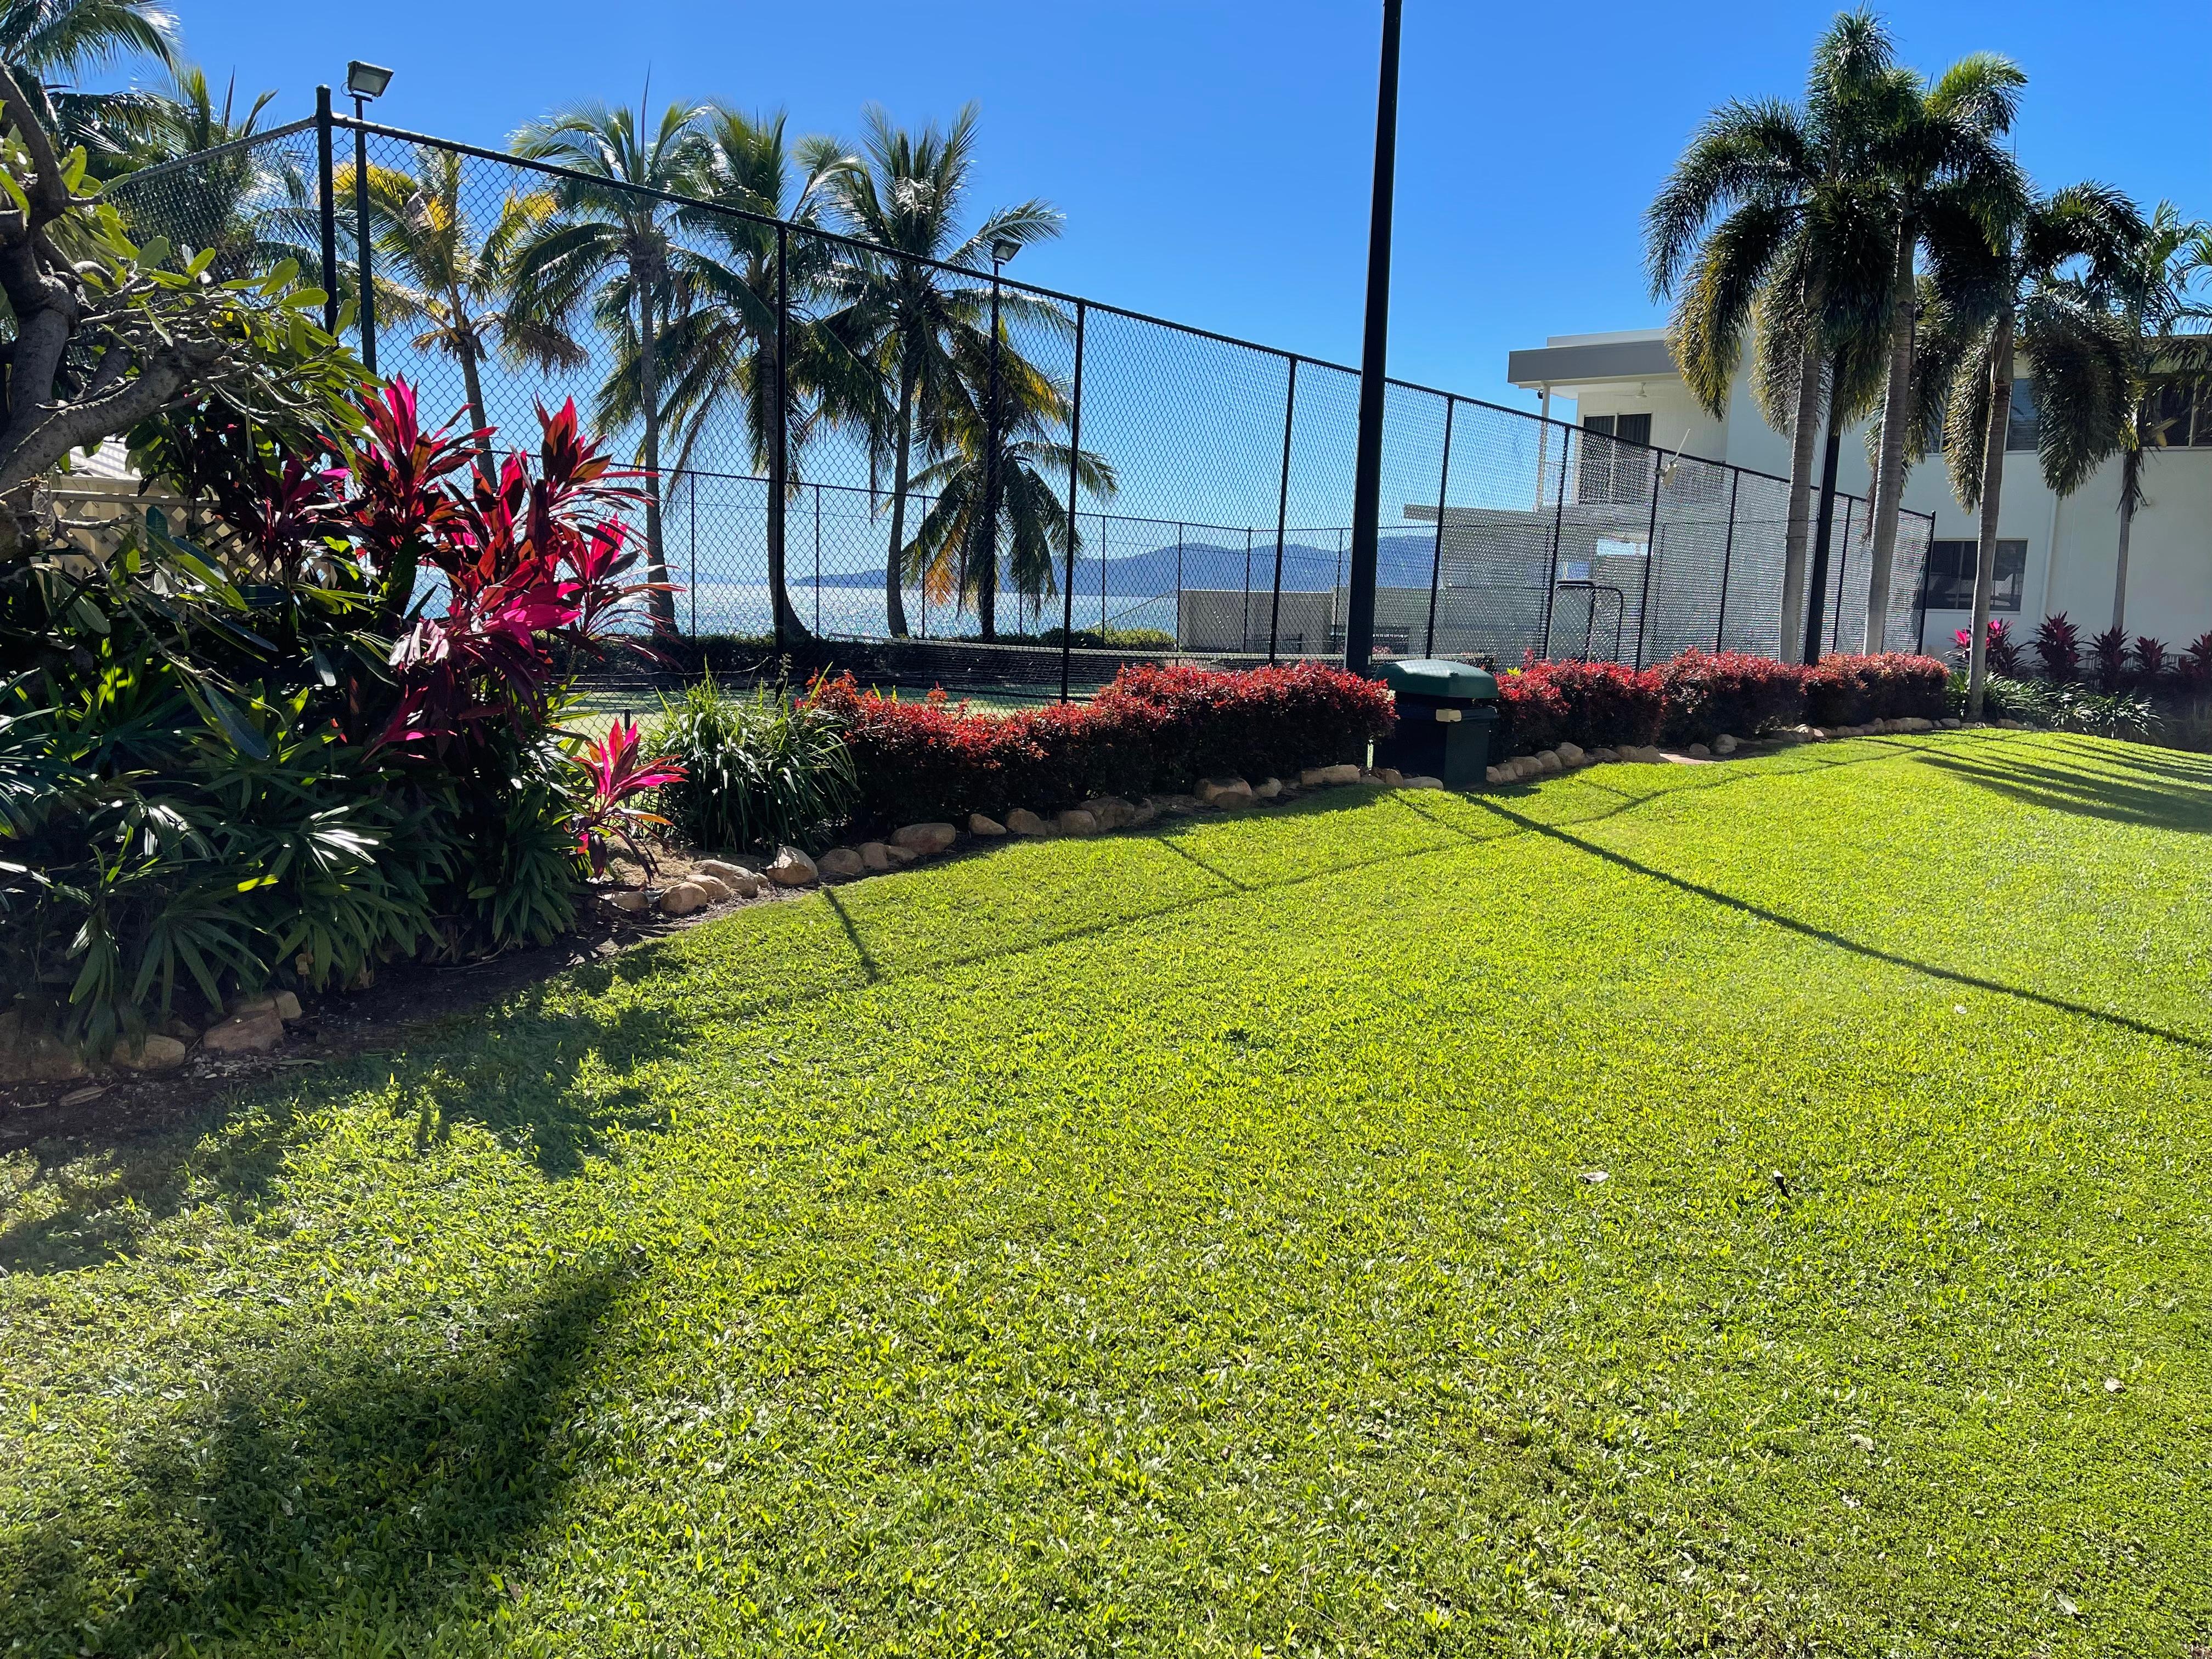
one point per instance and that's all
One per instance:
(935, 473)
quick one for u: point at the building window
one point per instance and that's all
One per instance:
(1616, 459)
(2175, 407)
(1948, 584)
(2020, 429)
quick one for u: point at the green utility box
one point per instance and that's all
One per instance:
(1447, 718)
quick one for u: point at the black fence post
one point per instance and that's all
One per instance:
(817, 558)
(1074, 450)
(778, 440)
(1843, 566)
(1559, 527)
(1437, 555)
(1651, 557)
(1367, 461)
(1282, 511)
(361, 232)
(1823, 536)
(693, 586)
(1727, 559)
(1244, 624)
(327, 207)
(1178, 627)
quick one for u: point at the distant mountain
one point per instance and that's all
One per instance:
(1400, 561)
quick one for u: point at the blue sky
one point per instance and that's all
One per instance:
(1212, 159)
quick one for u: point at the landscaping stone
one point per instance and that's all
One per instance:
(926, 839)
(742, 882)
(1495, 775)
(35, 1055)
(254, 1033)
(1572, 754)
(901, 856)
(1422, 783)
(1076, 821)
(1699, 751)
(1224, 792)
(842, 864)
(683, 899)
(1527, 766)
(1725, 745)
(1547, 760)
(792, 868)
(1949, 723)
(155, 1053)
(282, 1004)
(1185, 803)
(874, 855)
(1267, 788)
(1328, 777)
(1111, 812)
(980, 825)
(1022, 822)
(714, 887)
(1147, 810)
(627, 900)
(1391, 777)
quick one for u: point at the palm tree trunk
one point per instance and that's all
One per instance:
(1896, 415)
(473, 385)
(1804, 438)
(2130, 492)
(662, 602)
(893, 577)
(1985, 551)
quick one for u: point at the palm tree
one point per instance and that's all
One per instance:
(1768, 227)
(51, 45)
(950, 555)
(2155, 310)
(718, 352)
(612, 247)
(440, 272)
(903, 313)
(1939, 161)
(2052, 285)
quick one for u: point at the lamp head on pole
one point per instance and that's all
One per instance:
(1004, 249)
(366, 80)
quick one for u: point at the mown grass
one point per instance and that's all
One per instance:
(1196, 1243)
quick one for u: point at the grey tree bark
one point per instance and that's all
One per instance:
(1896, 415)
(1804, 439)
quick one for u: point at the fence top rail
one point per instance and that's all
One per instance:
(877, 250)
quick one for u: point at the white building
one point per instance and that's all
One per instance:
(2053, 554)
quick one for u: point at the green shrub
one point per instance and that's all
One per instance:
(759, 772)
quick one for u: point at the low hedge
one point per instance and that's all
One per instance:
(1699, 694)
(1153, 728)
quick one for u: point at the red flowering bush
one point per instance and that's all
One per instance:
(1710, 693)
(1846, 691)
(1153, 728)
(1594, 704)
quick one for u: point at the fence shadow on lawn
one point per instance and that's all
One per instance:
(2175, 793)
(352, 1498)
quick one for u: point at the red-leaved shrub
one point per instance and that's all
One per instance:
(1711, 693)
(1852, 690)
(1594, 704)
(1154, 728)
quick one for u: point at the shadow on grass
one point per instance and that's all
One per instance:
(516, 1071)
(331, 1501)
(2174, 794)
(1844, 941)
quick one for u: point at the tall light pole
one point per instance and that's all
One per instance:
(1367, 473)
(986, 580)
(365, 82)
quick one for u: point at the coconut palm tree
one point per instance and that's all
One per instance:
(614, 249)
(2164, 328)
(445, 275)
(950, 556)
(1768, 231)
(907, 314)
(1939, 161)
(51, 45)
(718, 351)
(2052, 285)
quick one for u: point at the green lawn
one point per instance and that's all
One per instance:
(1349, 1230)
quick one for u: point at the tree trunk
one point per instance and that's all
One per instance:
(1804, 438)
(1985, 550)
(1896, 417)
(2130, 491)
(987, 571)
(894, 582)
(472, 384)
(661, 602)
